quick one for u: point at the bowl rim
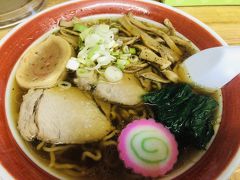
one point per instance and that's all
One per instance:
(236, 159)
(28, 19)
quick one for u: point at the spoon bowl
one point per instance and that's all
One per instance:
(214, 67)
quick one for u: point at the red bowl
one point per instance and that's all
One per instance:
(223, 155)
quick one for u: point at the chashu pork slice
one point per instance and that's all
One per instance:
(127, 91)
(26, 124)
(67, 117)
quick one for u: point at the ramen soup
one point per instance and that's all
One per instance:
(104, 99)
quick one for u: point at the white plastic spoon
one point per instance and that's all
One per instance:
(214, 67)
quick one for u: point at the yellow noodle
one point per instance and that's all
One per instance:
(113, 112)
(132, 112)
(57, 148)
(119, 117)
(40, 145)
(67, 166)
(109, 136)
(124, 113)
(144, 115)
(96, 157)
(75, 173)
(52, 159)
(109, 143)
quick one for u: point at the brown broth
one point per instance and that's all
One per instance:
(101, 169)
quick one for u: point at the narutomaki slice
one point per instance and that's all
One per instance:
(148, 148)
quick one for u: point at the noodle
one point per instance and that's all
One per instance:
(57, 148)
(112, 134)
(109, 143)
(75, 173)
(67, 166)
(52, 159)
(124, 113)
(40, 145)
(113, 113)
(96, 157)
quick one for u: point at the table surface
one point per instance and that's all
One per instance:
(225, 20)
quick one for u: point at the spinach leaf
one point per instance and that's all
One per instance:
(188, 115)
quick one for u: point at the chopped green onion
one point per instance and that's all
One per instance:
(125, 56)
(89, 63)
(113, 74)
(81, 71)
(81, 60)
(81, 66)
(134, 59)
(79, 27)
(86, 32)
(92, 40)
(80, 42)
(132, 51)
(114, 30)
(104, 60)
(122, 63)
(115, 53)
(93, 51)
(125, 49)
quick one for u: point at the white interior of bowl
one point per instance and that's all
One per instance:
(21, 142)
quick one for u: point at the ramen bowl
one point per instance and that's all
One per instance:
(221, 158)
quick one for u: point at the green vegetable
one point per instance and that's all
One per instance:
(132, 51)
(81, 71)
(134, 59)
(115, 53)
(79, 27)
(86, 33)
(188, 115)
(122, 63)
(93, 51)
(125, 49)
(80, 42)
